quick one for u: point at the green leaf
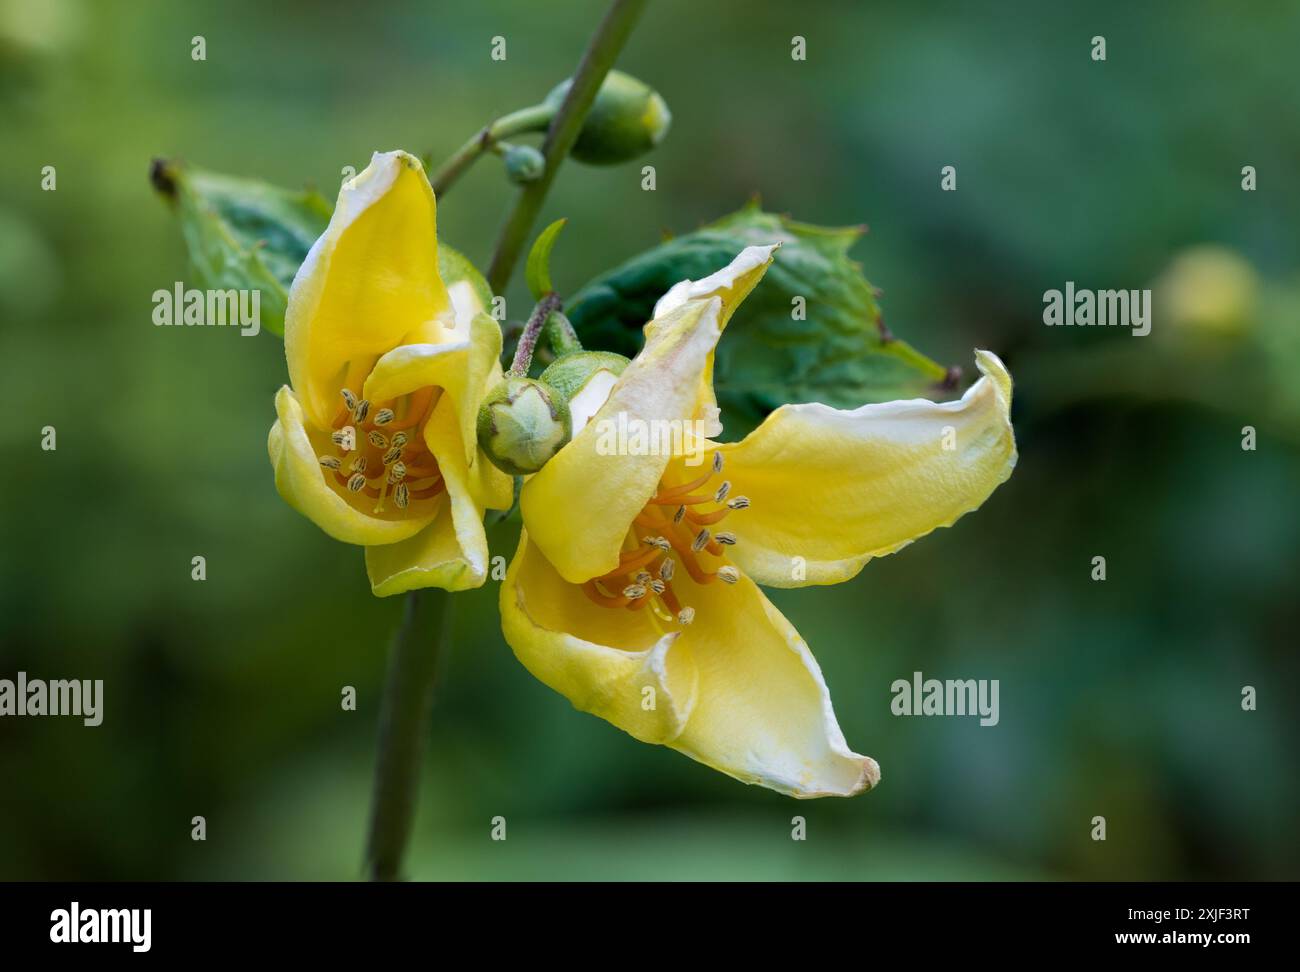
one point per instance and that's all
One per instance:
(840, 354)
(537, 271)
(244, 234)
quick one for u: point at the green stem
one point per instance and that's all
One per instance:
(534, 119)
(563, 338)
(523, 359)
(403, 726)
(601, 53)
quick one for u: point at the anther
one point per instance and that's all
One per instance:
(633, 591)
(378, 439)
(384, 416)
(331, 462)
(357, 481)
(729, 574)
(666, 569)
(399, 440)
(392, 455)
(728, 538)
(397, 473)
(681, 512)
(660, 542)
(722, 492)
(643, 577)
(361, 411)
(349, 399)
(686, 615)
(359, 464)
(658, 586)
(717, 462)
(701, 539)
(345, 438)
(739, 503)
(401, 496)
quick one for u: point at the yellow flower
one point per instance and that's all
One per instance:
(634, 591)
(375, 438)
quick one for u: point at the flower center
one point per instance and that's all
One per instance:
(676, 521)
(379, 451)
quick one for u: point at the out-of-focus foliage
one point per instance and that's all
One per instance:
(1118, 698)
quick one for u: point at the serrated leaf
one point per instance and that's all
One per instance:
(537, 271)
(839, 354)
(244, 234)
(247, 234)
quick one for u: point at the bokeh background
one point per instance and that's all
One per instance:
(1119, 698)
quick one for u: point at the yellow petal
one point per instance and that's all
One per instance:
(763, 713)
(301, 481)
(608, 662)
(460, 364)
(737, 690)
(579, 506)
(732, 284)
(368, 282)
(831, 489)
(451, 552)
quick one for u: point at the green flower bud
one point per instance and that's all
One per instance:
(572, 373)
(627, 119)
(523, 423)
(1208, 291)
(523, 163)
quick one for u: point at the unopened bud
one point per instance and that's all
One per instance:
(522, 423)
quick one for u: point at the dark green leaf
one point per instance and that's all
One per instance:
(840, 354)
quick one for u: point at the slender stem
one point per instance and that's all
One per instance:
(532, 331)
(403, 725)
(563, 338)
(533, 119)
(601, 53)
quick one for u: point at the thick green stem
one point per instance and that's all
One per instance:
(534, 119)
(596, 62)
(403, 726)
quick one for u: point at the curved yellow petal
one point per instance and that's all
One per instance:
(368, 282)
(610, 662)
(763, 713)
(300, 480)
(460, 365)
(579, 506)
(451, 552)
(831, 489)
(737, 690)
(732, 284)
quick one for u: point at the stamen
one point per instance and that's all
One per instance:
(359, 464)
(401, 496)
(384, 416)
(658, 586)
(681, 512)
(686, 615)
(349, 399)
(399, 440)
(361, 411)
(739, 503)
(378, 439)
(728, 538)
(642, 577)
(660, 542)
(729, 574)
(633, 591)
(331, 462)
(392, 455)
(666, 569)
(357, 482)
(717, 462)
(701, 539)
(722, 492)
(397, 473)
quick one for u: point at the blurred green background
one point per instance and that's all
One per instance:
(1119, 698)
